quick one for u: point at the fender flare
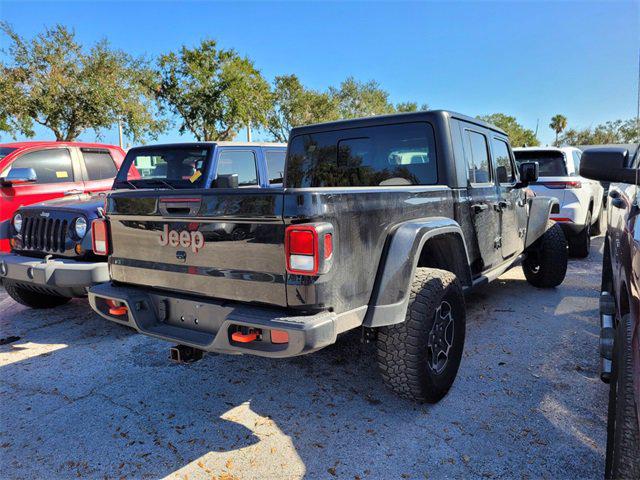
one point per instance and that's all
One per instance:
(390, 297)
(539, 211)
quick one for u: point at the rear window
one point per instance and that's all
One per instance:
(551, 163)
(180, 167)
(387, 155)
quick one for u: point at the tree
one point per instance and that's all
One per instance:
(518, 135)
(616, 131)
(213, 91)
(361, 99)
(403, 107)
(558, 124)
(294, 105)
(53, 82)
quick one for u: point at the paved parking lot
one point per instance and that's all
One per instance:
(81, 397)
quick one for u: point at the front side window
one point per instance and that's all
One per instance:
(504, 167)
(551, 162)
(179, 167)
(241, 162)
(99, 164)
(386, 155)
(478, 159)
(275, 166)
(51, 165)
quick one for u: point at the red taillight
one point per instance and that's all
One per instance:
(301, 249)
(560, 185)
(100, 237)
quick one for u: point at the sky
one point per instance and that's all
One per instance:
(527, 59)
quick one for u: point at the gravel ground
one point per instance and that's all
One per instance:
(81, 397)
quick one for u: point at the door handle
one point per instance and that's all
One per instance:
(73, 192)
(501, 205)
(479, 207)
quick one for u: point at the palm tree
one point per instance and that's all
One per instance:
(558, 124)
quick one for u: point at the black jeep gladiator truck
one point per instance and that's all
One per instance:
(382, 223)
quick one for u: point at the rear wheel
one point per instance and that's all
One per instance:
(33, 299)
(623, 436)
(545, 265)
(419, 358)
(579, 244)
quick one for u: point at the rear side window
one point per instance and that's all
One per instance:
(478, 157)
(275, 166)
(386, 155)
(51, 166)
(504, 166)
(242, 162)
(551, 162)
(576, 161)
(99, 164)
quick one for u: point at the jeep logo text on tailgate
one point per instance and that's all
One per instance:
(184, 238)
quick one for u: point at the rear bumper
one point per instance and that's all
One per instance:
(66, 277)
(208, 325)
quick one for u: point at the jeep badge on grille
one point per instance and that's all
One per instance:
(184, 238)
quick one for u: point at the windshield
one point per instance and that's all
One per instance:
(178, 167)
(4, 151)
(551, 163)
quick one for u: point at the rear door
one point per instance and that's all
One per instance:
(99, 168)
(242, 161)
(511, 203)
(483, 194)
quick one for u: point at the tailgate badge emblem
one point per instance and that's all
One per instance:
(184, 238)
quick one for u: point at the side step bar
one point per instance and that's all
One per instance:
(607, 334)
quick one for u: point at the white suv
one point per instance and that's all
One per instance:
(580, 199)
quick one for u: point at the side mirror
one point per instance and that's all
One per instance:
(529, 172)
(19, 176)
(226, 181)
(607, 164)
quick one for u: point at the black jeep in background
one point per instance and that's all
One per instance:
(382, 223)
(620, 305)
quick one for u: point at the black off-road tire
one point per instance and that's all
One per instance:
(623, 435)
(580, 244)
(405, 351)
(33, 299)
(545, 265)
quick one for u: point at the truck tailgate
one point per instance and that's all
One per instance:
(226, 244)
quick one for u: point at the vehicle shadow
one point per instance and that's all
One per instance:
(527, 400)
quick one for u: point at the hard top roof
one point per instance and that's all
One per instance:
(390, 119)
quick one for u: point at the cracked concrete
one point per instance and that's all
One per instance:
(81, 397)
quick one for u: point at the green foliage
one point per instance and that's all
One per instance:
(558, 124)
(518, 135)
(214, 91)
(51, 81)
(617, 131)
(294, 105)
(361, 99)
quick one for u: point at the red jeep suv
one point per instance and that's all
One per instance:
(32, 172)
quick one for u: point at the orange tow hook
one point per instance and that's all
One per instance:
(244, 337)
(116, 310)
